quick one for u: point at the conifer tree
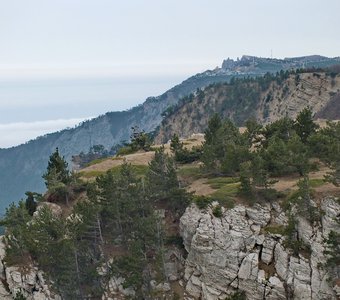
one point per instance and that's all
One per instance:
(161, 176)
(163, 184)
(304, 124)
(56, 170)
(333, 253)
(31, 201)
(17, 234)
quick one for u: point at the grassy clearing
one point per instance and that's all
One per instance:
(96, 161)
(219, 182)
(189, 171)
(226, 189)
(125, 151)
(316, 182)
(226, 193)
(140, 171)
(91, 174)
(99, 160)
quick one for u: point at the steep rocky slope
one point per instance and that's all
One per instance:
(28, 281)
(264, 99)
(237, 252)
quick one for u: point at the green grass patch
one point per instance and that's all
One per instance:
(275, 229)
(99, 160)
(126, 150)
(96, 161)
(219, 182)
(226, 190)
(226, 193)
(217, 211)
(202, 201)
(189, 171)
(316, 182)
(91, 174)
(140, 170)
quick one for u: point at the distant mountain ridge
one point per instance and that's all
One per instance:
(254, 65)
(21, 167)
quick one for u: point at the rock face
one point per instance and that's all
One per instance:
(236, 252)
(28, 281)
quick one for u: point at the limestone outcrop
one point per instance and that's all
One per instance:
(238, 252)
(27, 281)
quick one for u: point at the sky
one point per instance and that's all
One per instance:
(67, 60)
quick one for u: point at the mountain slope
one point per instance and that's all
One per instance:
(21, 167)
(265, 99)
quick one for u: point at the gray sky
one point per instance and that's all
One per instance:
(72, 59)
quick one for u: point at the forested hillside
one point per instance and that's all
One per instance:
(21, 166)
(264, 99)
(262, 201)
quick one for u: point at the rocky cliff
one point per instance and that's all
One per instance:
(237, 252)
(28, 282)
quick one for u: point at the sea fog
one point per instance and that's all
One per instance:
(33, 107)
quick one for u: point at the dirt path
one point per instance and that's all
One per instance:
(290, 182)
(201, 187)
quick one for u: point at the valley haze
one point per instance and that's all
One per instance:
(34, 107)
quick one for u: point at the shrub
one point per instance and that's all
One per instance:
(239, 295)
(217, 211)
(186, 156)
(126, 150)
(202, 201)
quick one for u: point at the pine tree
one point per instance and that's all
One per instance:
(175, 144)
(245, 188)
(56, 170)
(304, 124)
(31, 201)
(299, 155)
(333, 253)
(161, 176)
(304, 201)
(17, 233)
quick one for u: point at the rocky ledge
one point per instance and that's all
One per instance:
(237, 252)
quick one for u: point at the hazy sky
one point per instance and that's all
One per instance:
(71, 59)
